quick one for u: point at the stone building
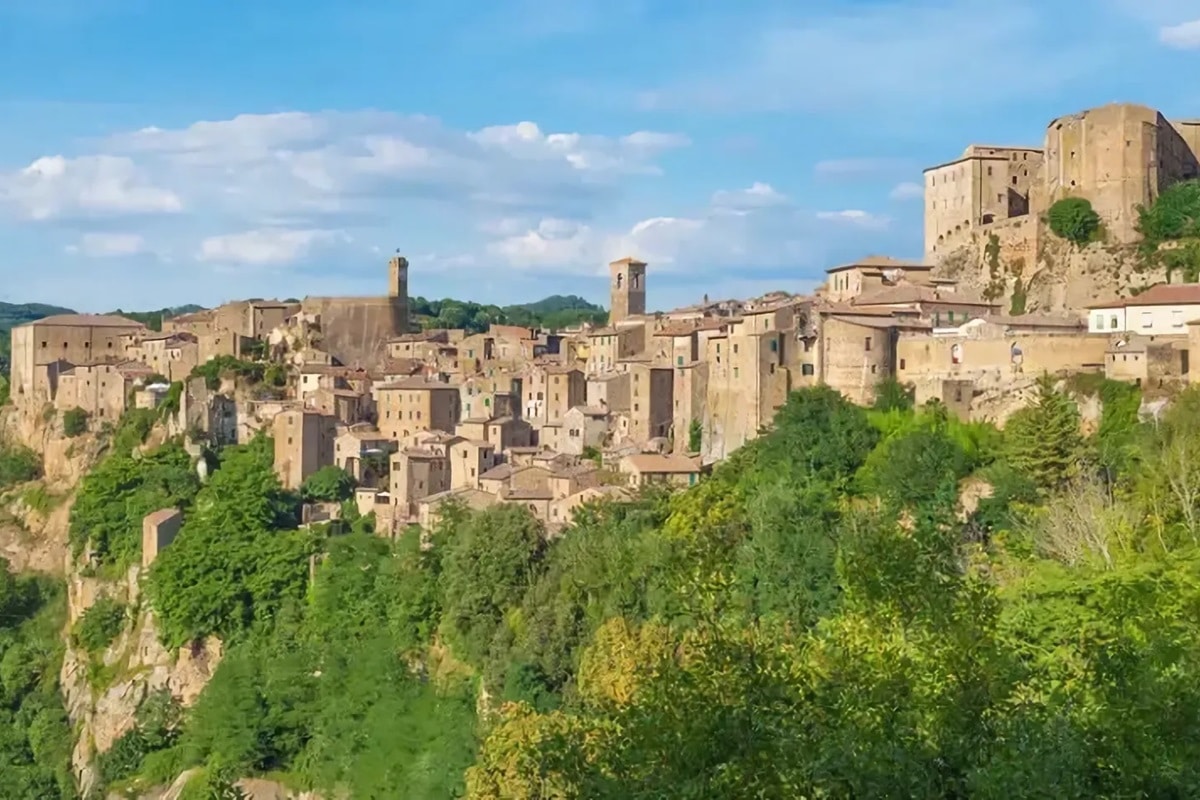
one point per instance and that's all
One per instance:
(1118, 156)
(102, 389)
(628, 290)
(356, 330)
(405, 407)
(1161, 310)
(70, 338)
(983, 185)
(304, 443)
(845, 282)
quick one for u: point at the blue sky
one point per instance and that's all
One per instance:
(156, 153)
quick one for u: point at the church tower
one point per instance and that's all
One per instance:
(398, 293)
(628, 289)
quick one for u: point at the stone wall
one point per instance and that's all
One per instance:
(355, 330)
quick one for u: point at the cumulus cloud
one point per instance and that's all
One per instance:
(907, 191)
(96, 185)
(754, 228)
(343, 163)
(108, 245)
(759, 195)
(264, 247)
(1184, 36)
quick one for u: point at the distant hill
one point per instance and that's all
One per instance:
(554, 312)
(153, 319)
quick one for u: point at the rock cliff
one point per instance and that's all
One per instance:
(1027, 269)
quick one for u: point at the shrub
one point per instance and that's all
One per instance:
(1174, 215)
(3, 390)
(695, 436)
(329, 485)
(99, 625)
(18, 464)
(75, 422)
(1074, 219)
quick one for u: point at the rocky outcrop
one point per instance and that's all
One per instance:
(136, 665)
(1025, 268)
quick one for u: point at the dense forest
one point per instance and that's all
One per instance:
(878, 602)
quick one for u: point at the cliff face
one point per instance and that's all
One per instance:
(1027, 269)
(103, 691)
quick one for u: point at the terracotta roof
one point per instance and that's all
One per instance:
(88, 321)
(529, 494)
(881, 263)
(1163, 294)
(418, 384)
(628, 260)
(591, 411)
(912, 293)
(658, 464)
(472, 498)
(160, 516)
(500, 472)
(1036, 321)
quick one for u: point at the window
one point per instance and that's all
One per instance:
(902, 363)
(735, 372)
(735, 349)
(999, 198)
(774, 345)
(43, 344)
(867, 344)
(872, 369)
(1014, 180)
(950, 317)
(1147, 319)
(1177, 318)
(679, 361)
(806, 369)
(989, 170)
(1099, 321)
(1112, 322)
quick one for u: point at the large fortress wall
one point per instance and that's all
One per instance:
(355, 330)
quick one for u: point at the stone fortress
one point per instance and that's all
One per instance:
(555, 419)
(1117, 156)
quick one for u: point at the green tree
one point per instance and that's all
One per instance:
(100, 624)
(1043, 440)
(75, 422)
(1175, 214)
(695, 436)
(489, 563)
(1073, 219)
(329, 484)
(17, 464)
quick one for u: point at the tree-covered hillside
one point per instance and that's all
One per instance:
(12, 315)
(860, 603)
(554, 313)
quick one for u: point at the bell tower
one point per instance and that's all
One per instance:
(628, 289)
(398, 292)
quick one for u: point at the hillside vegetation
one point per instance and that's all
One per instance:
(1170, 228)
(822, 617)
(554, 313)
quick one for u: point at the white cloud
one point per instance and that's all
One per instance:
(755, 228)
(108, 245)
(54, 186)
(855, 217)
(260, 165)
(759, 195)
(907, 191)
(1184, 36)
(264, 247)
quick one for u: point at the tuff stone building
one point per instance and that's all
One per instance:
(1118, 156)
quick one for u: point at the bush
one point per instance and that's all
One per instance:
(17, 464)
(327, 485)
(214, 368)
(3, 390)
(1074, 219)
(100, 625)
(1174, 215)
(75, 422)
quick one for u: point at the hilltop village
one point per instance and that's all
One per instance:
(553, 419)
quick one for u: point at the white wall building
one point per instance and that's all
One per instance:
(1161, 310)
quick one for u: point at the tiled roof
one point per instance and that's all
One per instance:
(882, 262)
(89, 320)
(1163, 294)
(658, 464)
